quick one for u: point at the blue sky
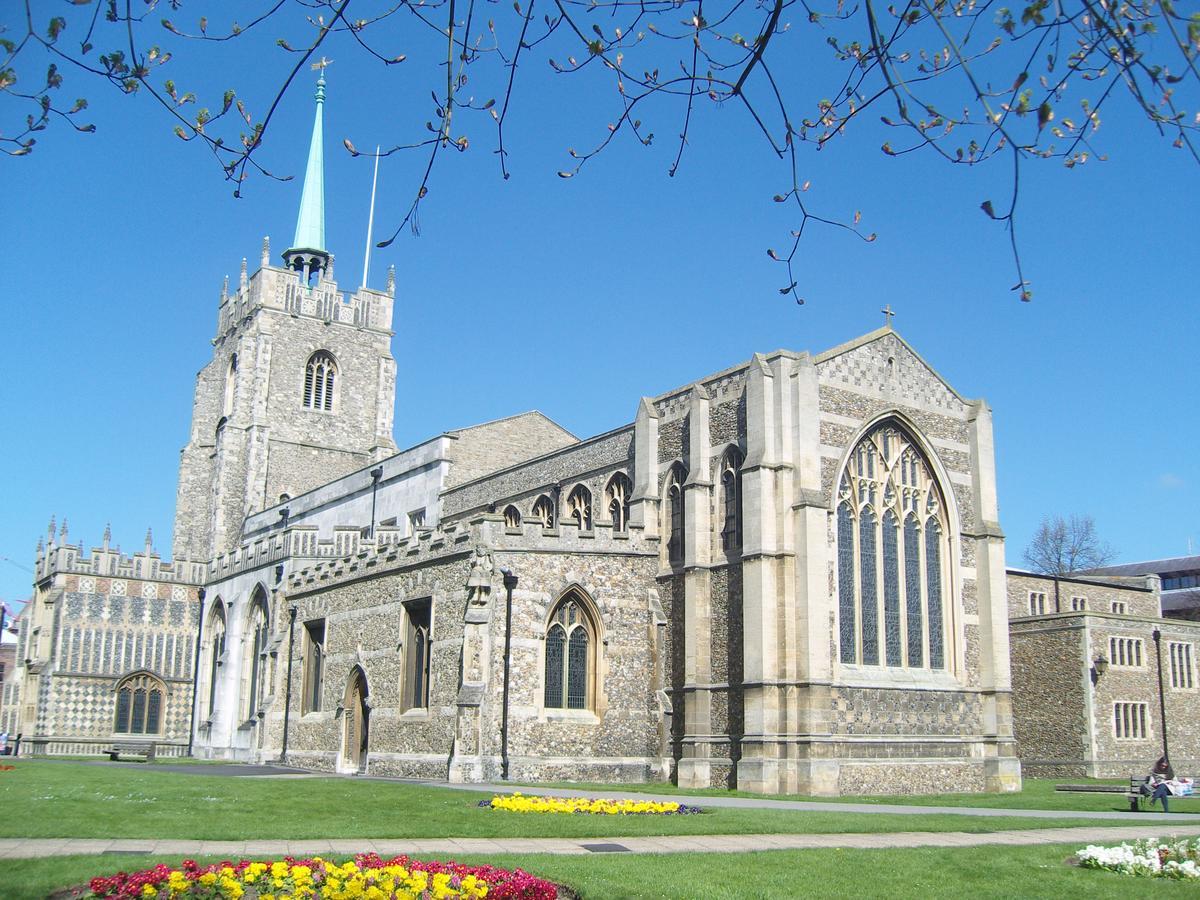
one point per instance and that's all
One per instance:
(577, 297)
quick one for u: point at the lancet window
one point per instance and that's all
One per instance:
(570, 660)
(618, 492)
(216, 654)
(892, 550)
(139, 705)
(512, 517)
(579, 507)
(675, 479)
(256, 660)
(319, 375)
(731, 500)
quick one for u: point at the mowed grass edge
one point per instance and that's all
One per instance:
(906, 874)
(81, 801)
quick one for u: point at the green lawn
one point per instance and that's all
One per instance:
(42, 799)
(920, 874)
(1037, 793)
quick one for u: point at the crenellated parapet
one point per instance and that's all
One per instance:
(57, 556)
(283, 290)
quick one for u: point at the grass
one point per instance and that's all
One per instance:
(921, 874)
(76, 800)
(1036, 793)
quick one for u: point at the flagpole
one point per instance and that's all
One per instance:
(370, 221)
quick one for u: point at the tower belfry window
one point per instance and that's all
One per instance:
(319, 377)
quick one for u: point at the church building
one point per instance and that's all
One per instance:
(785, 577)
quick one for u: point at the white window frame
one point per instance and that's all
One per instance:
(1119, 607)
(1126, 652)
(1136, 724)
(1079, 604)
(1037, 603)
(1182, 665)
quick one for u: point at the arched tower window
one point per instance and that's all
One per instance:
(731, 500)
(216, 654)
(140, 699)
(892, 544)
(675, 523)
(579, 507)
(543, 512)
(230, 384)
(570, 656)
(512, 517)
(319, 375)
(254, 668)
(617, 494)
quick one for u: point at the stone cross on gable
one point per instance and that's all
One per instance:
(888, 313)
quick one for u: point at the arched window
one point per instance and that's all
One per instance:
(255, 640)
(570, 656)
(617, 494)
(230, 384)
(220, 430)
(891, 542)
(140, 699)
(319, 375)
(216, 654)
(543, 511)
(579, 507)
(512, 517)
(675, 479)
(731, 500)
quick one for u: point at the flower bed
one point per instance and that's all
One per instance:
(365, 876)
(518, 802)
(1150, 858)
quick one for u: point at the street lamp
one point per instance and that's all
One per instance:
(287, 697)
(510, 584)
(1162, 697)
(1099, 667)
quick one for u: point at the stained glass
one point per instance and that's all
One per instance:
(867, 566)
(912, 591)
(933, 577)
(846, 627)
(577, 669)
(137, 724)
(124, 698)
(891, 591)
(153, 710)
(555, 641)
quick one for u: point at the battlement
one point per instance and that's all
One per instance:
(283, 290)
(57, 556)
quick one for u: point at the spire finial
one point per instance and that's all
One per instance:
(149, 540)
(391, 281)
(266, 251)
(50, 531)
(243, 278)
(225, 289)
(62, 532)
(308, 254)
(107, 534)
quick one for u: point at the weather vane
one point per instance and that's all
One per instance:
(321, 64)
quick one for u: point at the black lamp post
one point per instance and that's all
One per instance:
(510, 584)
(287, 695)
(376, 474)
(200, 594)
(1162, 697)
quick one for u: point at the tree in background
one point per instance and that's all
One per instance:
(966, 81)
(1062, 546)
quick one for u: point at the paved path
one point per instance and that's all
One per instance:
(13, 848)
(826, 806)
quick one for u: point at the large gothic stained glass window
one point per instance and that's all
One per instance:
(891, 551)
(569, 659)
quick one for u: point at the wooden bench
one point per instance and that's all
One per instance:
(1133, 793)
(132, 751)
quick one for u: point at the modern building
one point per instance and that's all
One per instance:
(1180, 578)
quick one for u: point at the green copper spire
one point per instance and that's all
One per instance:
(310, 227)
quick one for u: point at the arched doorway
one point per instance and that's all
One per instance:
(354, 748)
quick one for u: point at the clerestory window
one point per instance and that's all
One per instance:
(579, 507)
(618, 492)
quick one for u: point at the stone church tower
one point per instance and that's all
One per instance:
(300, 389)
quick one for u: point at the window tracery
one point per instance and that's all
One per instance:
(543, 512)
(675, 516)
(892, 542)
(139, 705)
(731, 500)
(319, 375)
(570, 665)
(579, 507)
(617, 494)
